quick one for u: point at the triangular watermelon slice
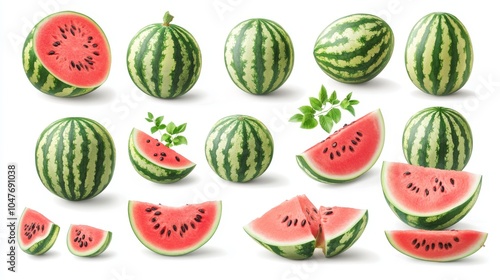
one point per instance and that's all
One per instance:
(36, 233)
(347, 153)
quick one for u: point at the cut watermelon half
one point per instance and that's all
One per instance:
(36, 233)
(341, 227)
(155, 161)
(347, 153)
(174, 231)
(67, 54)
(437, 245)
(87, 241)
(429, 198)
(295, 228)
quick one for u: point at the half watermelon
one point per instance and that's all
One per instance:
(347, 153)
(173, 231)
(437, 245)
(426, 197)
(36, 233)
(155, 161)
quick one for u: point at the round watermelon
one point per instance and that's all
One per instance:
(164, 59)
(66, 54)
(355, 48)
(239, 148)
(439, 54)
(75, 158)
(259, 55)
(438, 137)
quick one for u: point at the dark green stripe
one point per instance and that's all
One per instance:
(83, 165)
(45, 151)
(258, 56)
(181, 79)
(243, 167)
(70, 156)
(139, 58)
(463, 127)
(237, 62)
(260, 153)
(454, 56)
(411, 138)
(442, 134)
(340, 240)
(59, 160)
(273, 31)
(157, 58)
(227, 149)
(420, 50)
(437, 62)
(101, 161)
(220, 129)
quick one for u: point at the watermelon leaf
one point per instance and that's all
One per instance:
(179, 129)
(335, 114)
(150, 116)
(316, 104)
(170, 128)
(309, 122)
(326, 123)
(323, 95)
(296, 118)
(307, 110)
(179, 140)
(169, 132)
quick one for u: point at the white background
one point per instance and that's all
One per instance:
(119, 106)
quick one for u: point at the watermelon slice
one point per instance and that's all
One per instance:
(67, 54)
(347, 153)
(437, 245)
(426, 197)
(289, 229)
(87, 241)
(174, 231)
(155, 161)
(341, 227)
(294, 228)
(36, 233)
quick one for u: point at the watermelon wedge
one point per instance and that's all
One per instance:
(36, 233)
(437, 245)
(295, 228)
(426, 197)
(174, 231)
(341, 227)
(87, 241)
(155, 161)
(347, 153)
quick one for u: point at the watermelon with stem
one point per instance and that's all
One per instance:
(437, 245)
(174, 230)
(155, 161)
(347, 153)
(87, 241)
(36, 233)
(66, 54)
(426, 197)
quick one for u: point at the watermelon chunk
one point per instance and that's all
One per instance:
(36, 233)
(173, 231)
(426, 197)
(347, 153)
(437, 245)
(295, 228)
(155, 161)
(87, 241)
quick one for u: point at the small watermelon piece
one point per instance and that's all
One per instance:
(67, 54)
(341, 227)
(173, 231)
(347, 153)
(87, 241)
(426, 197)
(36, 233)
(155, 161)
(289, 229)
(437, 245)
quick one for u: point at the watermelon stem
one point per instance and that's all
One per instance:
(167, 18)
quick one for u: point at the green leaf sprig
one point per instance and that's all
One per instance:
(170, 133)
(324, 110)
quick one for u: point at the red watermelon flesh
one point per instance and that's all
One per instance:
(87, 241)
(347, 153)
(169, 230)
(73, 48)
(437, 245)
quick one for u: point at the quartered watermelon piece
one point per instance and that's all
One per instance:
(155, 161)
(429, 198)
(36, 233)
(87, 241)
(341, 227)
(347, 153)
(295, 228)
(437, 245)
(169, 230)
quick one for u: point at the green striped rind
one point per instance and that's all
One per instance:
(290, 251)
(239, 148)
(259, 56)
(75, 158)
(355, 48)
(151, 171)
(164, 61)
(41, 78)
(437, 221)
(345, 240)
(438, 137)
(97, 251)
(439, 54)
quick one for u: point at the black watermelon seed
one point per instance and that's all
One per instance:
(452, 181)
(407, 173)
(289, 223)
(177, 158)
(433, 246)
(414, 241)
(162, 231)
(417, 190)
(442, 188)
(358, 139)
(76, 238)
(354, 142)
(43, 227)
(303, 223)
(147, 141)
(81, 244)
(434, 188)
(155, 154)
(440, 244)
(331, 155)
(157, 144)
(96, 53)
(64, 36)
(315, 210)
(153, 219)
(90, 239)
(51, 52)
(417, 245)
(328, 212)
(154, 208)
(148, 209)
(414, 187)
(284, 219)
(90, 38)
(295, 222)
(423, 242)
(436, 180)
(426, 192)
(161, 158)
(359, 133)
(174, 227)
(85, 244)
(427, 247)
(83, 236)
(163, 154)
(338, 153)
(73, 27)
(181, 234)
(85, 46)
(192, 225)
(61, 29)
(334, 144)
(157, 213)
(449, 245)
(198, 217)
(446, 246)
(169, 232)
(351, 148)
(94, 45)
(186, 227)
(201, 210)
(72, 32)
(456, 239)
(325, 150)
(157, 226)
(343, 148)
